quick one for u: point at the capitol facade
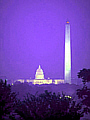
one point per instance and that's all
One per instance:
(39, 79)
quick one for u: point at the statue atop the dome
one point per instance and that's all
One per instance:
(39, 67)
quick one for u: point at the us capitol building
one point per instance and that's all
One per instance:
(39, 79)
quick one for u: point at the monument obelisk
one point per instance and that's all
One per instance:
(67, 71)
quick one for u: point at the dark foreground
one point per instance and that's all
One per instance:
(44, 105)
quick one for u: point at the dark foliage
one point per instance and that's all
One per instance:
(48, 106)
(84, 93)
(7, 100)
(84, 74)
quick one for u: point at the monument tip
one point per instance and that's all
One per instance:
(67, 22)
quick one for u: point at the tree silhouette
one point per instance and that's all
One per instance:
(7, 100)
(84, 93)
(84, 74)
(48, 106)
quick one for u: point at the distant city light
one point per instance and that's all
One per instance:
(68, 96)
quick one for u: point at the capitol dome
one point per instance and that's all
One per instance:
(39, 73)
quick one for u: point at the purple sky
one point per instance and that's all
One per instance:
(32, 33)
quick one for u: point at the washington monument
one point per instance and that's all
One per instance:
(67, 76)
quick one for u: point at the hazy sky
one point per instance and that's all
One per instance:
(32, 33)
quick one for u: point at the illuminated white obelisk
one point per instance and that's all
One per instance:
(67, 54)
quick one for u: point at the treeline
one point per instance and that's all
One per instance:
(23, 88)
(44, 106)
